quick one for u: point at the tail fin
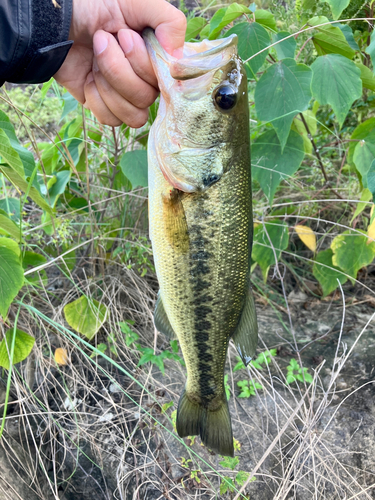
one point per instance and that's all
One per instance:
(214, 427)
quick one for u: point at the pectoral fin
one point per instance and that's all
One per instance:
(245, 337)
(161, 320)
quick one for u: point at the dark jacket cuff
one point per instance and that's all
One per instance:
(33, 39)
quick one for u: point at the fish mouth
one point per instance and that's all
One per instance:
(198, 58)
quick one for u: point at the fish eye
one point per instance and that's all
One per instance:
(225, 97)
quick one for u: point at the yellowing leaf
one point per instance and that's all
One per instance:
(307, 236)
(371, 228)
(86, 316)
(61, 356)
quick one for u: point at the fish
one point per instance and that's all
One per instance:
(200, 224)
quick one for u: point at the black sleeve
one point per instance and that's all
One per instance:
(33, 39)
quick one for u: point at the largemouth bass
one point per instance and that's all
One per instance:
(200, 211)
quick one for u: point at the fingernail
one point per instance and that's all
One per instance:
(127, 43)
(95, 66)
(100, 43)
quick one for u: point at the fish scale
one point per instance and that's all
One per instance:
(202, 237)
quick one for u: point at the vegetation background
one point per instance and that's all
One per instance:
(88, 388)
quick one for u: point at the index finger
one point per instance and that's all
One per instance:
(168, 22)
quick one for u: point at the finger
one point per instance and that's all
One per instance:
(117, 70)
(168, 22)
(120, 107)
(96, 104)
(136, 53)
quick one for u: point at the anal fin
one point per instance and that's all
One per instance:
(161, 320)
(245, 337)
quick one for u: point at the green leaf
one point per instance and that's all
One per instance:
(252, 38)
(330, 39)
(269, 241)
(366, 196)
(99, 349)
(9, 226)
(62, 179)
(70, 104)
(11, 278)
(26, 156)
(22, 184)
(230, 462)
(364, 154)
(241, 477)
(336, 81)
(86, 316)
(23, 344)
(270, 166)
(281, 93)
(11, 245)
(367, 76)
(286, 49)
(327, 273)
(348, 34)
(9, 155)
(12, 208)
(299, 127)
(365, 130)
(194, 27)
(224, 16)
(32, 259)
(371, 178)
(370, 50)
(134, 165)
(265, 18)
(337, 6)
(226, 485)
(352, 251)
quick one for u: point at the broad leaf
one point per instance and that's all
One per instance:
(70, 104)
(22, 184)
(365, 130)
(134, 166)
(351, 252)
(62, 179)
(371, 50)
(9, 155)
(11, 278)
(10, 227)
(367, 76)
(265, 18)
(365, 197)
(194, 27)
(32, 259)
(307, 236)
(348, 34)
(270, 165)
(326, 273)
(364, 154)
(252, 38)
(282, 92)
(330, 39)
(11, 245)
(336, 81)
(284, 49)
(337, 6)
(300, 128)
(224, 16)
(269, 241)
(86, 316)
(12, 207)
(371, 178)
(23, 344)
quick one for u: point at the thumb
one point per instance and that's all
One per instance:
(168, 22)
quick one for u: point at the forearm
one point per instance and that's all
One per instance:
(33, 39)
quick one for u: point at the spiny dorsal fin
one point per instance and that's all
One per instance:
(161, 320)
(245, 337)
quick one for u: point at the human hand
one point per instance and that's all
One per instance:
(114, 78)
